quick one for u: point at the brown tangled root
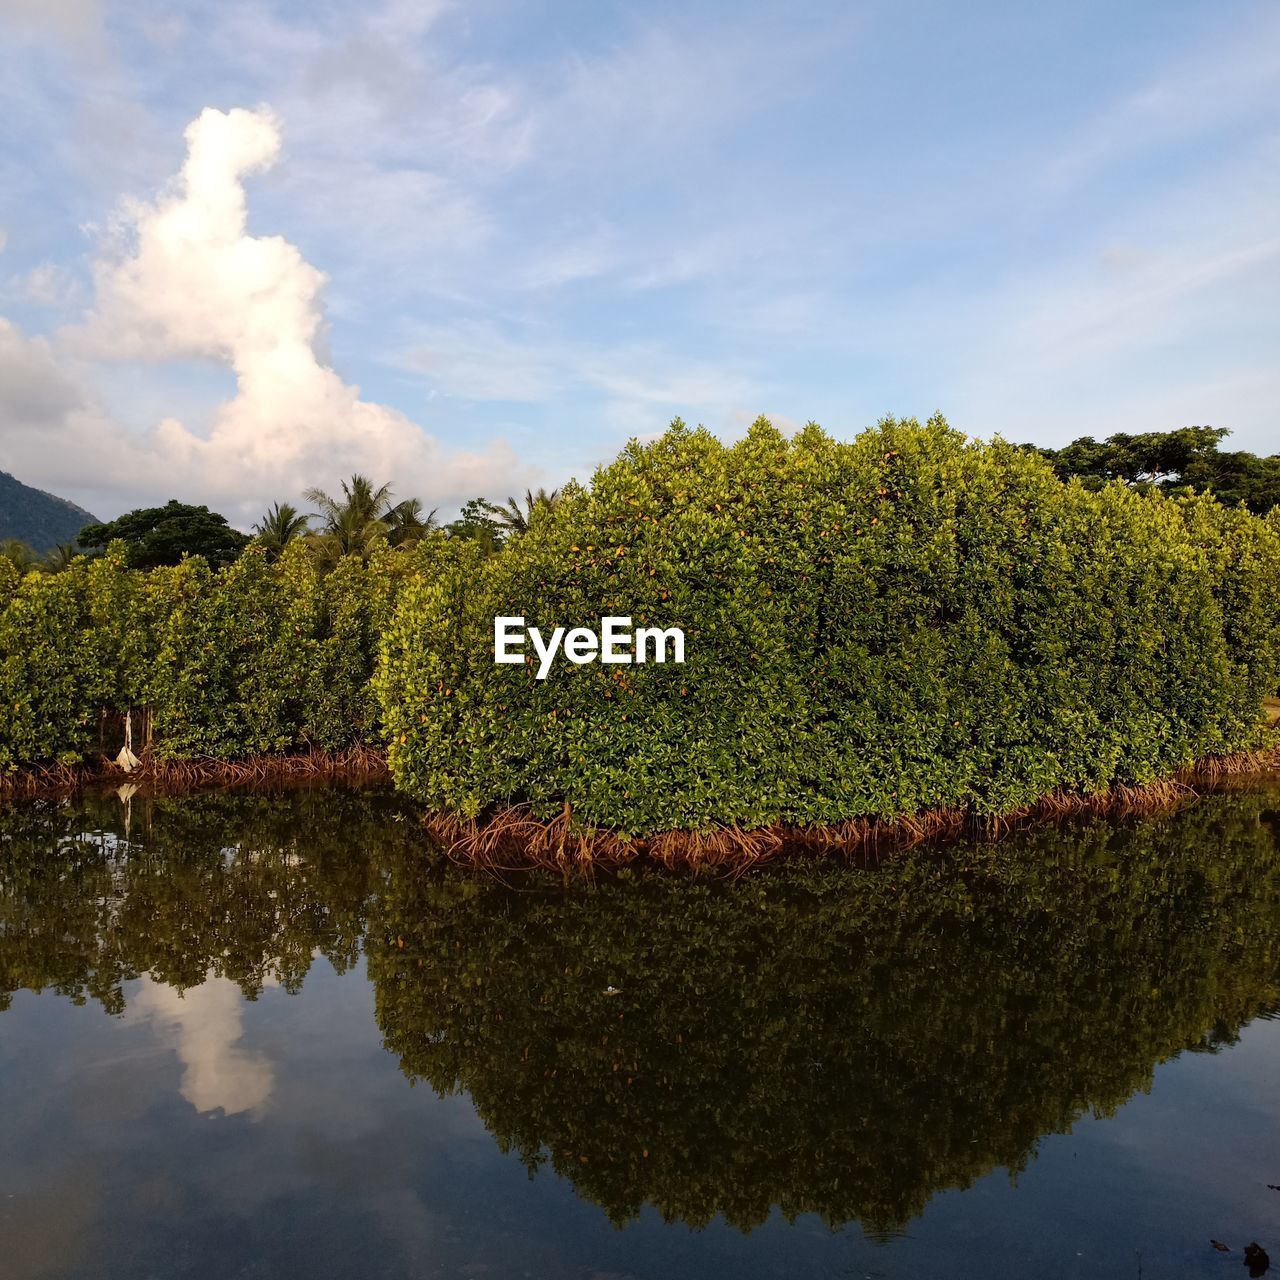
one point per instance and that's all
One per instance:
(356, 763)
(513, 839)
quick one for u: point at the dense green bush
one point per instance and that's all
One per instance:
(53, 679)
(902, 622)
(256, 657)
(905, 621)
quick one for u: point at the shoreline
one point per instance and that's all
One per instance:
(511, 839)
(361, 763)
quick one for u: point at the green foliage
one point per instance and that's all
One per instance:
(516, 517)
(408, 524)
(353, 524)
(60, 557)
(480, 522)
(355, 603)
(365, 518)
(24, 558)
(19, 554)
(52, 677)
(1188, 458)
(155, 536)
(10, 578)
(217, 690)
(903, 622)
(257, 657)
(280, 526)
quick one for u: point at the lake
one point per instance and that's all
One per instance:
(276, 1035)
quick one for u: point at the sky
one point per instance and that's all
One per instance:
(250, 248)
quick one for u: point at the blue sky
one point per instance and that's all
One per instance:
(528, 231)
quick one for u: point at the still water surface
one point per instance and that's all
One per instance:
(269, 1036)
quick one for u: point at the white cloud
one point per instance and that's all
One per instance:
(648, 374)
(582, 256)
(34, 389)
(394, 215)
(47, 285)
(403, 20)
(1134, 327)
(670, 90)
(185, 280)
(58, 435)
(203, 1025)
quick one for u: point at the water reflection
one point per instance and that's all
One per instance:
(204, 1025)
(244, 887)
(845, 1043)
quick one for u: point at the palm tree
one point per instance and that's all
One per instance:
(60, 557)
(23, 557)
(350, 526)
(518, 519)
(360, 504)
(406, 525)
(280, 526)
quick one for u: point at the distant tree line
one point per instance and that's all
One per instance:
(353, 523)
(1172, 462)
(365, 513)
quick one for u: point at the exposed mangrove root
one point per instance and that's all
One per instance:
(364, 763)
(513, 839)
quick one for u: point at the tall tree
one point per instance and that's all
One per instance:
(1238, 477)
(21, 555)
(280, 526)
(352, 524)
(163, 535)
(61, 557)
(477, 523)
(406, 524)
(1172, 460)
(516, 518)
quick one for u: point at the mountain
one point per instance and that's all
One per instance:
(38, 518)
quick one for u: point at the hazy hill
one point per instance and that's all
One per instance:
(38, 518)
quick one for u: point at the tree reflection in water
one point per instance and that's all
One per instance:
(841, 1041)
